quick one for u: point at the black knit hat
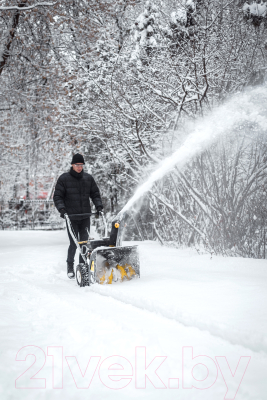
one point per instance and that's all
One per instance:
(77, 158)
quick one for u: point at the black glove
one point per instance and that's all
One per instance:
(62, 212)
(99, 209)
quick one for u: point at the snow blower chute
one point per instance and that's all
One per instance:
(106, 260)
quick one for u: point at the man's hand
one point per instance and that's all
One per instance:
(62, 212)
(99, 209)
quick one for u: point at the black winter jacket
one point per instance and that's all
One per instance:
(72, 192)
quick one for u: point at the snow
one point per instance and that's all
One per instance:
(258, 9)
(180, 15)
(191, 4)
(215, 305)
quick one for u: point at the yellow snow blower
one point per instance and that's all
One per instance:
(106, 260)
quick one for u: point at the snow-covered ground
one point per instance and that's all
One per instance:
(185, 305)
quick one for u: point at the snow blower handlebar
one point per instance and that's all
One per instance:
(72, 233)
(80, 215)
(117, 228)
(88, 215)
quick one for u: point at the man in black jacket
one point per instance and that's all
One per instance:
(71, 196)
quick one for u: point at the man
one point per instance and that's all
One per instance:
(71, 196)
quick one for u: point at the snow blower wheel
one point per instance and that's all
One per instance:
(82, 276)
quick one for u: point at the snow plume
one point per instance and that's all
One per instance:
(250, 106)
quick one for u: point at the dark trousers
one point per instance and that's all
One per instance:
(79, 228)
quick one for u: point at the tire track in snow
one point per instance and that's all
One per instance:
(145, 306)
(250, 340)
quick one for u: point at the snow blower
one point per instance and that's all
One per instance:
(106, 260)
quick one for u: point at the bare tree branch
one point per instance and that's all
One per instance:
(8, 8)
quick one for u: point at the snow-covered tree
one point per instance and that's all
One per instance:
(144, 35)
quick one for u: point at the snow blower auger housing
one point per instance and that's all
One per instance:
(106, 260)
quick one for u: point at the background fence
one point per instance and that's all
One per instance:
(29, 214)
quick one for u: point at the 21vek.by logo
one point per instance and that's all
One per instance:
(116, 372)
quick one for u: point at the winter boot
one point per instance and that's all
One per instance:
(70, 270)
